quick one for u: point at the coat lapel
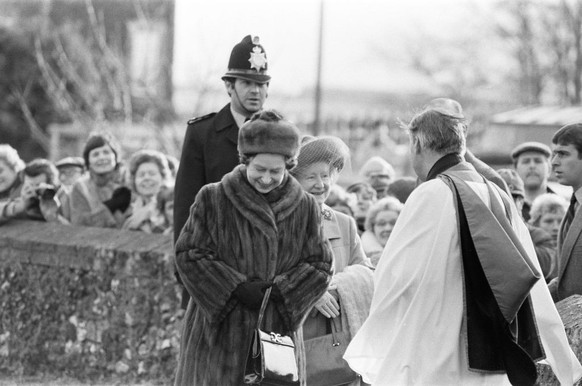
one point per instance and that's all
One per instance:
(569, 241)
(331, 228)
(225, 122)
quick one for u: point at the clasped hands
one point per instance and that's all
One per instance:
(251, 293)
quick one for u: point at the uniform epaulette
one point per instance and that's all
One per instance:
(198, 119)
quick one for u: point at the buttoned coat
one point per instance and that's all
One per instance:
(342, 233)
(235, 234)
(569, 261)
(208, 153)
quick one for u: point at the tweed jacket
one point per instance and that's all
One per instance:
(86, 202)
(208, 153)
(235, 234)
(568, 281)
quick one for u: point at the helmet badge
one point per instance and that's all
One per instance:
(258, 59)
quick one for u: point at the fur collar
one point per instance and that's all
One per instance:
(263, 210)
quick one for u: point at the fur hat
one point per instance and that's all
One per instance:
(268, 132)
(331, 150)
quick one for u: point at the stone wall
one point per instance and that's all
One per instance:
(570, 311)
(87, 302)
(93, 303)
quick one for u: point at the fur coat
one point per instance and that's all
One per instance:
(235, 234)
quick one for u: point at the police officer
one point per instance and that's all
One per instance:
(210, 144)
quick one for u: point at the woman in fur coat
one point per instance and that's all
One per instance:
(253, 230)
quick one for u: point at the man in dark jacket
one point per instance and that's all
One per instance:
(209, 150)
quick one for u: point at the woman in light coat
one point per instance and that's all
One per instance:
(319, 163)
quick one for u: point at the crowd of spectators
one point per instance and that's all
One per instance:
(99, 188)
(102, 189)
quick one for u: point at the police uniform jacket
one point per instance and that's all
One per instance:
(208, 153)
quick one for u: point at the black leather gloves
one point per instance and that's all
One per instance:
(251, 293)
(119, 200)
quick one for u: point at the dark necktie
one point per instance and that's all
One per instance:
(569, 215)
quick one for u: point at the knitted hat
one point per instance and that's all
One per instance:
(248, 61)
(513, 181)
(268, 132)
(98, 140)
(331, 150)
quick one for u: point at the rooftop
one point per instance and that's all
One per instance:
(539, 116)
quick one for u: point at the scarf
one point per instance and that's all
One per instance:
(501, 330)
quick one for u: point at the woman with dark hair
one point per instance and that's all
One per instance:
(35, 192)
(148, 175)
(98, 198)
(254, 229)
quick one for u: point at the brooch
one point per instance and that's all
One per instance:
(326, 213)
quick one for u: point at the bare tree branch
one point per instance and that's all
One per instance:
(36, 132)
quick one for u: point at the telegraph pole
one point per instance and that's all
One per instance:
(317, 114)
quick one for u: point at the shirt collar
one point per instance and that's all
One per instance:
(444, 163)
(239, 119)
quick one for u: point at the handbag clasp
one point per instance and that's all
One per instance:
(275, 338)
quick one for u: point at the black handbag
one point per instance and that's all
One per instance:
(271, 357)
(325, 363)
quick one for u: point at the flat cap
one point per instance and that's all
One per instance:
(71, 161)
(531, 146)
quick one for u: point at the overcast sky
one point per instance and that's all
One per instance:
(365, 41)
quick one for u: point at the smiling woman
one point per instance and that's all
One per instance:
(320, 161)
(149, 173)
(253, 230)
(99, 198)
